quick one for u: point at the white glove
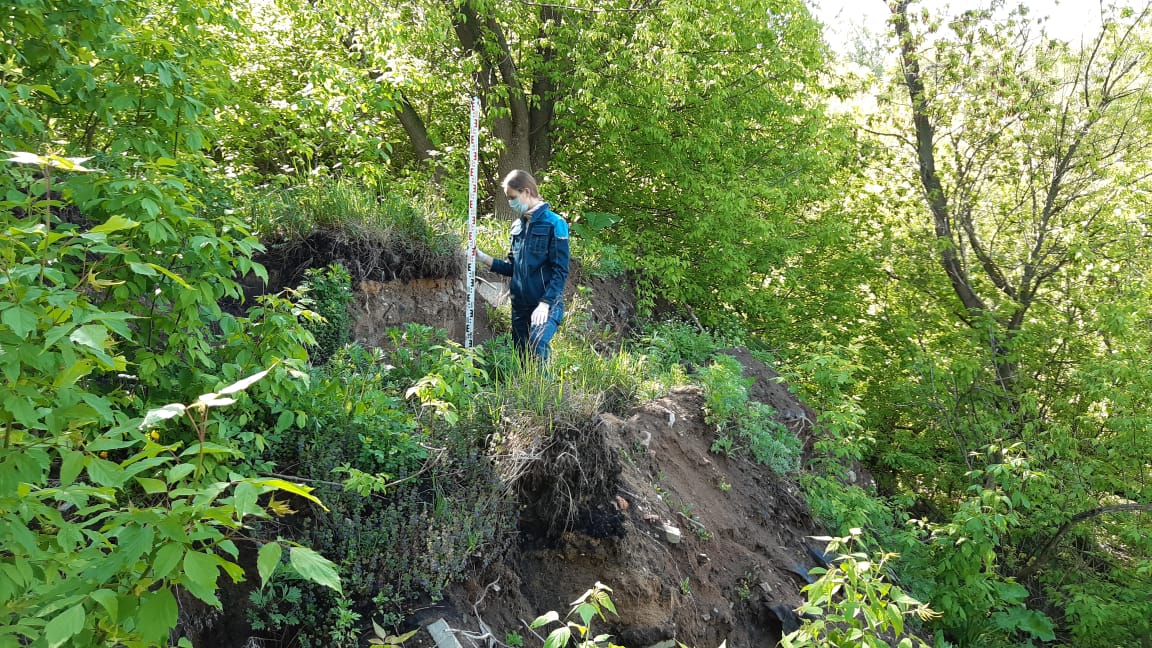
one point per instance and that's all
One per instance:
(483, 258)
(540, 315)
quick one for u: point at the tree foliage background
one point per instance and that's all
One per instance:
(957, 277)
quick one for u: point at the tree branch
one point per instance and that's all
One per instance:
(1044, 553)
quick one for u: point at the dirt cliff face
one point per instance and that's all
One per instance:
(734, 575)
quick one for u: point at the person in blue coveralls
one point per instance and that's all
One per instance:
(537, 263)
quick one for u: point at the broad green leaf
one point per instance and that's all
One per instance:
(201, 568)
(21, 321)
(145, 269)
(211, 448)
(287, 486)
(64, 626)
(71, 463)
(267, 560)
(586, 611)
(92, 336)
(171, 275)
(558, 638)
(105, 473)
(314, 567)
(166, 559)
(245, 498)
(545, 619)
(107, 600)
(116, 223)
(157, 615)
(152, 486)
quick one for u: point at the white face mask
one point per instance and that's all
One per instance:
(518, 205)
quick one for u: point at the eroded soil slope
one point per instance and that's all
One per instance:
(734, 575)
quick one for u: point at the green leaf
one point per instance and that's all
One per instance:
(245, 500)
(115, 224)
(166, 559)
(267, 560)
(92, 336)
(558, 638)
(145, 269)
(152, 486)
(296, 489)
(180, 471)
(21, 321)
(64, 626)
(586, 612)
(545, 619)
(105, 473)
(201, 568)
(314, 567)
(108, 600)
(171, 275)
(157, 615)
(71, 463)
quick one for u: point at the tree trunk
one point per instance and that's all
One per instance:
(938, 205)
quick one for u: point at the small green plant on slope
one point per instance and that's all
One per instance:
(330, 291)
(744, 426)
(852, 605)
(590, 605)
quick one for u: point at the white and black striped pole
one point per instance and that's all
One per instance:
(473, 170)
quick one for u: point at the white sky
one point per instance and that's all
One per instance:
(1068, 19)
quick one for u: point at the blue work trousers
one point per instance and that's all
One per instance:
(538, 339)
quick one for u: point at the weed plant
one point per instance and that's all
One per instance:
(329, 291)
(673, 342)
(434, 502)
(742, 426)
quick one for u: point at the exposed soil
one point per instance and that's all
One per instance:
(735, 574)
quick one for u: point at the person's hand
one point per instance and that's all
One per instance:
(486, 259)
(540, 315)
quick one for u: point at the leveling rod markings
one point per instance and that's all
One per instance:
(473, 165)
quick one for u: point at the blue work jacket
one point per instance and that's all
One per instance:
(537, 259)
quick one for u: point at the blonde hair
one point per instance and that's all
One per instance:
(522, 181)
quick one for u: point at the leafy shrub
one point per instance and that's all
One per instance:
(852, 604)
(329, 290)
(674, 342)
(418, 500)
(725, 391)
(744, 426)
(770, 442)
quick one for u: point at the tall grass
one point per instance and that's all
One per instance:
(350, 208)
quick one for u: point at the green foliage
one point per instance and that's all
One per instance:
(329, 291)
(418, 500)
(672, 342)
(957, 564)
(589, 606)
(113, 268)
(725, 391)
(852, 604)
(769, 441)
(125, 510)
(841, 507)
(744, 426)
